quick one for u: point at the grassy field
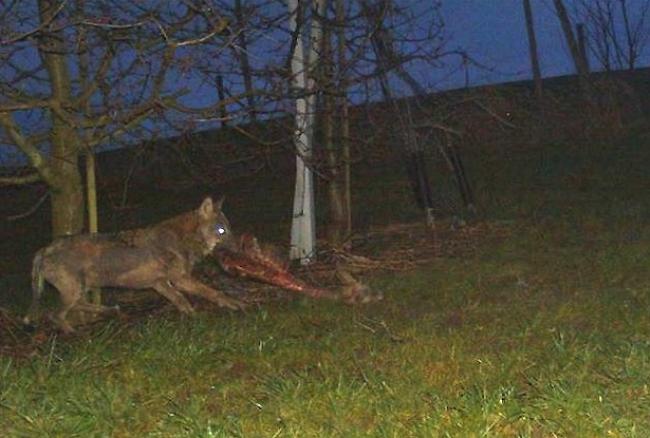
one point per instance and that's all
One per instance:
(545, 332)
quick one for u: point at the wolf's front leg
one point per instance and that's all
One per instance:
(195, 287)
(168, 291)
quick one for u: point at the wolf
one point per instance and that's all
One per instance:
(160, 257)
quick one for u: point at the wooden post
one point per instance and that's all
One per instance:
(95, 295)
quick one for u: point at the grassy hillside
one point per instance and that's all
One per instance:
(540, 331)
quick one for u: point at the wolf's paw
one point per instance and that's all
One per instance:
(232, 303)
(360, 294)
(62, 324)
(185, 308)
(28, 325)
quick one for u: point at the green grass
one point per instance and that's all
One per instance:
(545, 333)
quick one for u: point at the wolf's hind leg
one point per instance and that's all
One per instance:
(71, 291)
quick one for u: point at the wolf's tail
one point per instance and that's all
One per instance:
(37, 287)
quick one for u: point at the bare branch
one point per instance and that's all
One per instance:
(44, 24)
(27, 105)
(33, 154)
(219, 28)
(19, 180)
(31, 210)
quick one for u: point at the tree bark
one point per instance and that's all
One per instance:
(336, 231)
(91, 177)
(221, 93)
(244, 62)
(565, 22)
(303, 225)
(578, 59)
(383, 46)
(634, 44)
(67, 192)
(67, 200)
(344, 118)
(582, 44)
(532, 45)
(60, 42)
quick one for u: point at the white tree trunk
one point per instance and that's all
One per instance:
(303, 226)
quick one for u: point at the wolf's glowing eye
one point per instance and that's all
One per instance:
(220, 230)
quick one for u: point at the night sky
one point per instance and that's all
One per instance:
(494, 33)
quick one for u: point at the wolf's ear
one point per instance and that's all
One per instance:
(207, 208)
(219, 202)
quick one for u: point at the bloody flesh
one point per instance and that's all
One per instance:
(248, 264)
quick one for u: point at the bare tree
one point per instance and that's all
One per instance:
(108, 72)
(636, 33)
(578, 60)
(413, 115)
(617, 35)
(344, 114)
(78, 74)
(582, 44)
(578, 55)
(602, 33)
(337, 227)
(392, 25)
(383, 42)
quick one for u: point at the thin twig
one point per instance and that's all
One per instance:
(32, 209)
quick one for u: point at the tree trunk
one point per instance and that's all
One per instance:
(344, 119)
(67, 189)
(578, 60)
(84, 79)
(389, 61)
(384, 48)
(242, 53)
(532, 44)
(582, 44)
(631, 42)
(563, 16)
(94, 295)
(221, 92)
(303, 224)
(336, 226)
(67, 199)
